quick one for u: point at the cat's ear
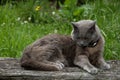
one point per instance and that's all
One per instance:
(92, 28)
(75, 28)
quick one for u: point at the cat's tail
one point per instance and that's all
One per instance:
(35, 65)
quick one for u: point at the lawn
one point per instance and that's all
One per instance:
(22, 23)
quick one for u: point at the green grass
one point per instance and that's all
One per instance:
(17, 31)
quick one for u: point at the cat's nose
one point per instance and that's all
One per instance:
(82, 44)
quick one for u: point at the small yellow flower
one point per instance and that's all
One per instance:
(37, 8)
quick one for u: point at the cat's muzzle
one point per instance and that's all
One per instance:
(82, 44)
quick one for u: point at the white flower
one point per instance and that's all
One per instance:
(29, 18)
(2, 24)
(55, 31)
(18, 19)
(53, 13)
(74, 19)
(25, 22)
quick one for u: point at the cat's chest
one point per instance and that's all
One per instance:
(88, 50)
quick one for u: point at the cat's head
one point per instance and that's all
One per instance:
(85, 33)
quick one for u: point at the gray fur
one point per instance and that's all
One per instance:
(54, 52)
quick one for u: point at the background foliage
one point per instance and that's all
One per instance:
(23, 21)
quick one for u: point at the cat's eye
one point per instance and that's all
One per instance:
(94, 44)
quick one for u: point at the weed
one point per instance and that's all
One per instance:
(24, 22)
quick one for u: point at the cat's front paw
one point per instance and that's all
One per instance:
(59, 65)
(105, 66)
(91, 70)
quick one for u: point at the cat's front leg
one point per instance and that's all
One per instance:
(103, 64)
(83, 62)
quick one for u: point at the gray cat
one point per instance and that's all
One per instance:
(54, 52)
